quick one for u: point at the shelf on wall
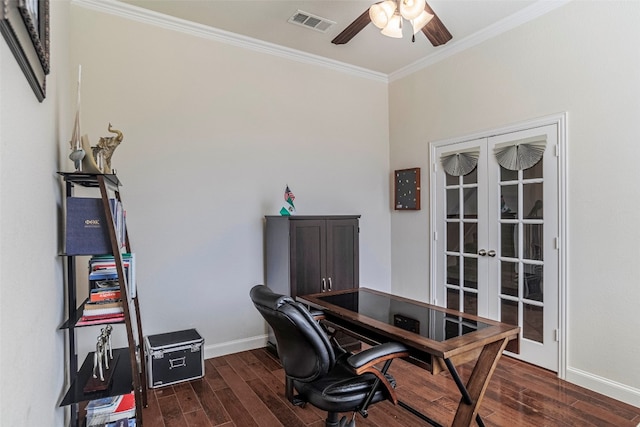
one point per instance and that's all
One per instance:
(122, 383)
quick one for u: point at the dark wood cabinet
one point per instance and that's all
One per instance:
(311, 254)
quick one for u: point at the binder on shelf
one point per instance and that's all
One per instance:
(87, 232)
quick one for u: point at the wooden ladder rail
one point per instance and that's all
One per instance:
(124, 290)
(136, 304)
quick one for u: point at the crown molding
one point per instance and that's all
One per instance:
(527, 14)
(146, 16)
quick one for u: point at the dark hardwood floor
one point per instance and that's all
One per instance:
(247, 389)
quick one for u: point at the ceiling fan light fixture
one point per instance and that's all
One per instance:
(378, 17)
(394, 27)
(422, 20)
(411, 9)
(381, 13)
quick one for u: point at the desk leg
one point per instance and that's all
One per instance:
(473, 393)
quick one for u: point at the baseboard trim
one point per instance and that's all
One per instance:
(615, 390)
(229, 347)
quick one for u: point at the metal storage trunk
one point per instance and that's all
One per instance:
(174, 357)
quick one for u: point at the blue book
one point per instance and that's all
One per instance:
(87, 232)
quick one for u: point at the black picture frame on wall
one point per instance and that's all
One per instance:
(407, 189)
(25, 27)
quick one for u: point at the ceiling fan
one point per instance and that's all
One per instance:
(388, 16)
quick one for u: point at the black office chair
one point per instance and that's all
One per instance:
(322, 374)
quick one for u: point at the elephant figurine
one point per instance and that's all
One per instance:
(100, 159)
(105, 148)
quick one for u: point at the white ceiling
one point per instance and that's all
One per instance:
(469, 21)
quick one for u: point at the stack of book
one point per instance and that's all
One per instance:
(112, 411)
(101, 312)
(104, 274)
(104, 304)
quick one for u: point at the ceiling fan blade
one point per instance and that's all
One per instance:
(435, 30)
(354, 28)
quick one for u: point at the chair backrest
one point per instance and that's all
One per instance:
(304, 349)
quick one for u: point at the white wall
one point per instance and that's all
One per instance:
(31, 288)
(214, 132)
(582, 58)
(212, 135)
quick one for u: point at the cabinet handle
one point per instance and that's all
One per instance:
(491, 253)
(324, 285)
(330, 284)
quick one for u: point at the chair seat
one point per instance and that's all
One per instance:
(317, 370)
(339, 390)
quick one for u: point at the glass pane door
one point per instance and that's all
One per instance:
(462, 227)
(523, 223)
(495, 229)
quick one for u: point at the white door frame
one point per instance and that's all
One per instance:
(560, 120)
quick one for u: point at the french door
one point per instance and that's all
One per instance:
(496, 228)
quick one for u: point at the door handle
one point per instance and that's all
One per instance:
(491, 253)
(330, 284)
(324, 285)
(482, 252)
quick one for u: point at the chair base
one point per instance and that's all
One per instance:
(333, 421)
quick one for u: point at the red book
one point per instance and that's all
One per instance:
(126, 408)
(104, 295)
(98, 320)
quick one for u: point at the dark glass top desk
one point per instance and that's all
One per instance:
(438, 338)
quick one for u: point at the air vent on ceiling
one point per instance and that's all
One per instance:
(309, 20)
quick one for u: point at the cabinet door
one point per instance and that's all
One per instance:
(308, 256)
(342, 268)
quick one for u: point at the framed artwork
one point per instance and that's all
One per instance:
(24, 24)
(407, 189)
